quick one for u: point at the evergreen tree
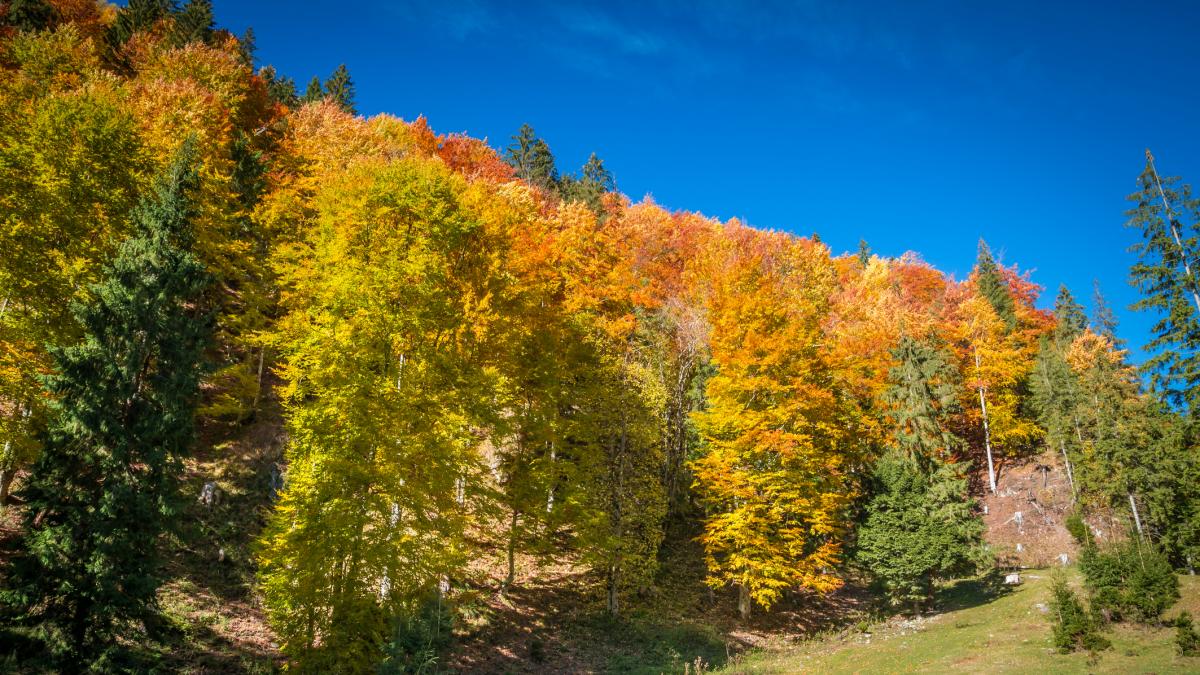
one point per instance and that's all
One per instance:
(864, 253)
(991, 285)
(314, 92)
(104, 489)
(136, 15)
(194, 23)
(919, 528)
(920, 524)
(247, 45)
(281, 89)
(340, 88)
(591, 187)
(1070, 319)
(1104, 321)
(924, 395)
(1168, 217)
(29, 15)
(532, 159)
(1054, 397)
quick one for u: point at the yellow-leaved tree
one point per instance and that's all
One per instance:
(778, 439)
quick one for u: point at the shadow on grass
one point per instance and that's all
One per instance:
(641, 645)
(967, 593)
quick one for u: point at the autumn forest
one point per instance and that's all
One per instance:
(474, 359)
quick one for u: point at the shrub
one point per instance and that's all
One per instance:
(1078, 530)
(1131, 580)
(1074, 628)
(418, 637)
(1187, 641)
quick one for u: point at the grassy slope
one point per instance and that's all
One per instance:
(1010, 634)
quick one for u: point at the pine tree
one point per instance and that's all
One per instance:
(1104, 321)
(1070, 319)
(194, 23)
(924, 395)
(532, 159)
(103, 491)
(136, 15)
(920, 527)
(340, 89)
(591, 187)
(920, 524)
(1168, 217)
(991, 285)
(29, 15)
(314, 92)
(280, 89)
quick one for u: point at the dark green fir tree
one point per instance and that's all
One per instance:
(194, 23)
(340, 89)
(532, 159)
(1168, 217)
(315, 92)
(991, 285)
(27, 15)
(104, 490)
(920, 524)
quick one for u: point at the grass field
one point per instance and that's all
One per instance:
(1008, 634)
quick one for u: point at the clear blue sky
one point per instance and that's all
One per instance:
(914, 125)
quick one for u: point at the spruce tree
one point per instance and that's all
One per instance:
(920, 525)
(136, 15)
(591, 187)
(104, 489)
(314, 92)
(1104, 321)
(864, 253)
(1070, 319)
(991, 285)
(281, 89)
(194, 23)
(1168, 217)
(923, 396)
(1055, 397)
(532, 159)
(340, 88)
(29, 15)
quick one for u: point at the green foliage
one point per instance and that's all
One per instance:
(339, 88)
(280, 88)
(532, 159)
(104, 488)
(419, 636)
(193, 23)
(1078, 529)
(1129, 581)
(918, 529)
(990, 284)
(29, 15)
(1187, 640)
(1074, 628)
(590, 187)
(315, 92)
(1168, 217)
(923, 396)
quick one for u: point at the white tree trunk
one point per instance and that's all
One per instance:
(1137, 518)
(1070, 473)
(987, 434)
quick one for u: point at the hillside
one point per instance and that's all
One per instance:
(972, 634)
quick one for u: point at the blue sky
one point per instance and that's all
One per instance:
(915, 125)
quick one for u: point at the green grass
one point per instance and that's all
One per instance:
(1009, 634)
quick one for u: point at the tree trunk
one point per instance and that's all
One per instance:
(1169, 212)
(1070, 473)
(262, 356)
(743, 601)
(512, 550)
(1137, 518)
(987, 434)
(613, 606)
(6, 479)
